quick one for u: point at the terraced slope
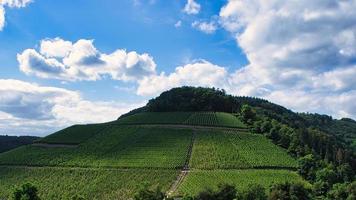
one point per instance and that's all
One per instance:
(111, 160)
(64, 183)
(156, 118)
(197, 180)
(74, 134)
(117, 146)
(215, 119)
(236, 150)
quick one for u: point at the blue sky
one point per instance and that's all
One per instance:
(66, 62)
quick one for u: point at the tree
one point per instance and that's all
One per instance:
(26, 192)
(345, 173)
(254, 192)
(226, 192)
(147, 194)
(338, 192)
(247, 113)
(307, 166)
(289, 191)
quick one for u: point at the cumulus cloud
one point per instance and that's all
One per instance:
(199, 73)
(205, 27)
(191, 7)
(302, 54)
(64, 60)
(27, 108)
(10, 4)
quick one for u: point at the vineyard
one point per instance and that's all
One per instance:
(231, 150)
(216, 119)
(156, 118)
(58, 184)
(74, 134)
(197, 180)
(111, 160)
(118, 146)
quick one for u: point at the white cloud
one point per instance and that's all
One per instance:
(192, 7)
(199, 73)
(15, 3)
(205, 27)
(178, 24)
(28, 108)
(302, 54)
(2, 17)
(10, 4)
(69, 61)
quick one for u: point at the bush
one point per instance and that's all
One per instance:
(26, 192)
(289, 191)
(254, 192)
(147, 194)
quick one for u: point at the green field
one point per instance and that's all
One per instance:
(198, 180)
(217, 119)
(110, 160)
(60, 183)
(74, 134)
(156, 118)
(232, 150)
(117, 146)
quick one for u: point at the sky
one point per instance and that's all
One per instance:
(89, 61)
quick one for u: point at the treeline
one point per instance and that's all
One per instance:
(11, 142)
(193, 99)
(325, 162)
(280, 191)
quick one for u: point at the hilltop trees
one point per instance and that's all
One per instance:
(194, 99)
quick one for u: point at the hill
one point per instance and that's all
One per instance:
(10, 142)
(184, 140)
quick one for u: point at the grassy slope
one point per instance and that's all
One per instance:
(142, 150)
(11, 142)
(118, 146)
(58, 184)
(187, 118)
(74, 134)
(197, 180)
(230, 150)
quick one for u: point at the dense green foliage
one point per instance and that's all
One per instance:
(74, 134)
(231, 150)
(11, 142)
(65, 183)
(193, 99)
(288, 191)
(117, 146)
(26, 192)
(197, 180)
(344, 130)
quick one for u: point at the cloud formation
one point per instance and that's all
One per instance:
(302, 54)
(29, 108)
(10, 4)
(191, 7)
(199, 73)
(205, 27)
(64, 60)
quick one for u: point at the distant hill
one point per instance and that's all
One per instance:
(185, 140)
(10, 142)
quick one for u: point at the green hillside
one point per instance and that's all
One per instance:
(185, 140)
(121, 149)
(217, 119)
